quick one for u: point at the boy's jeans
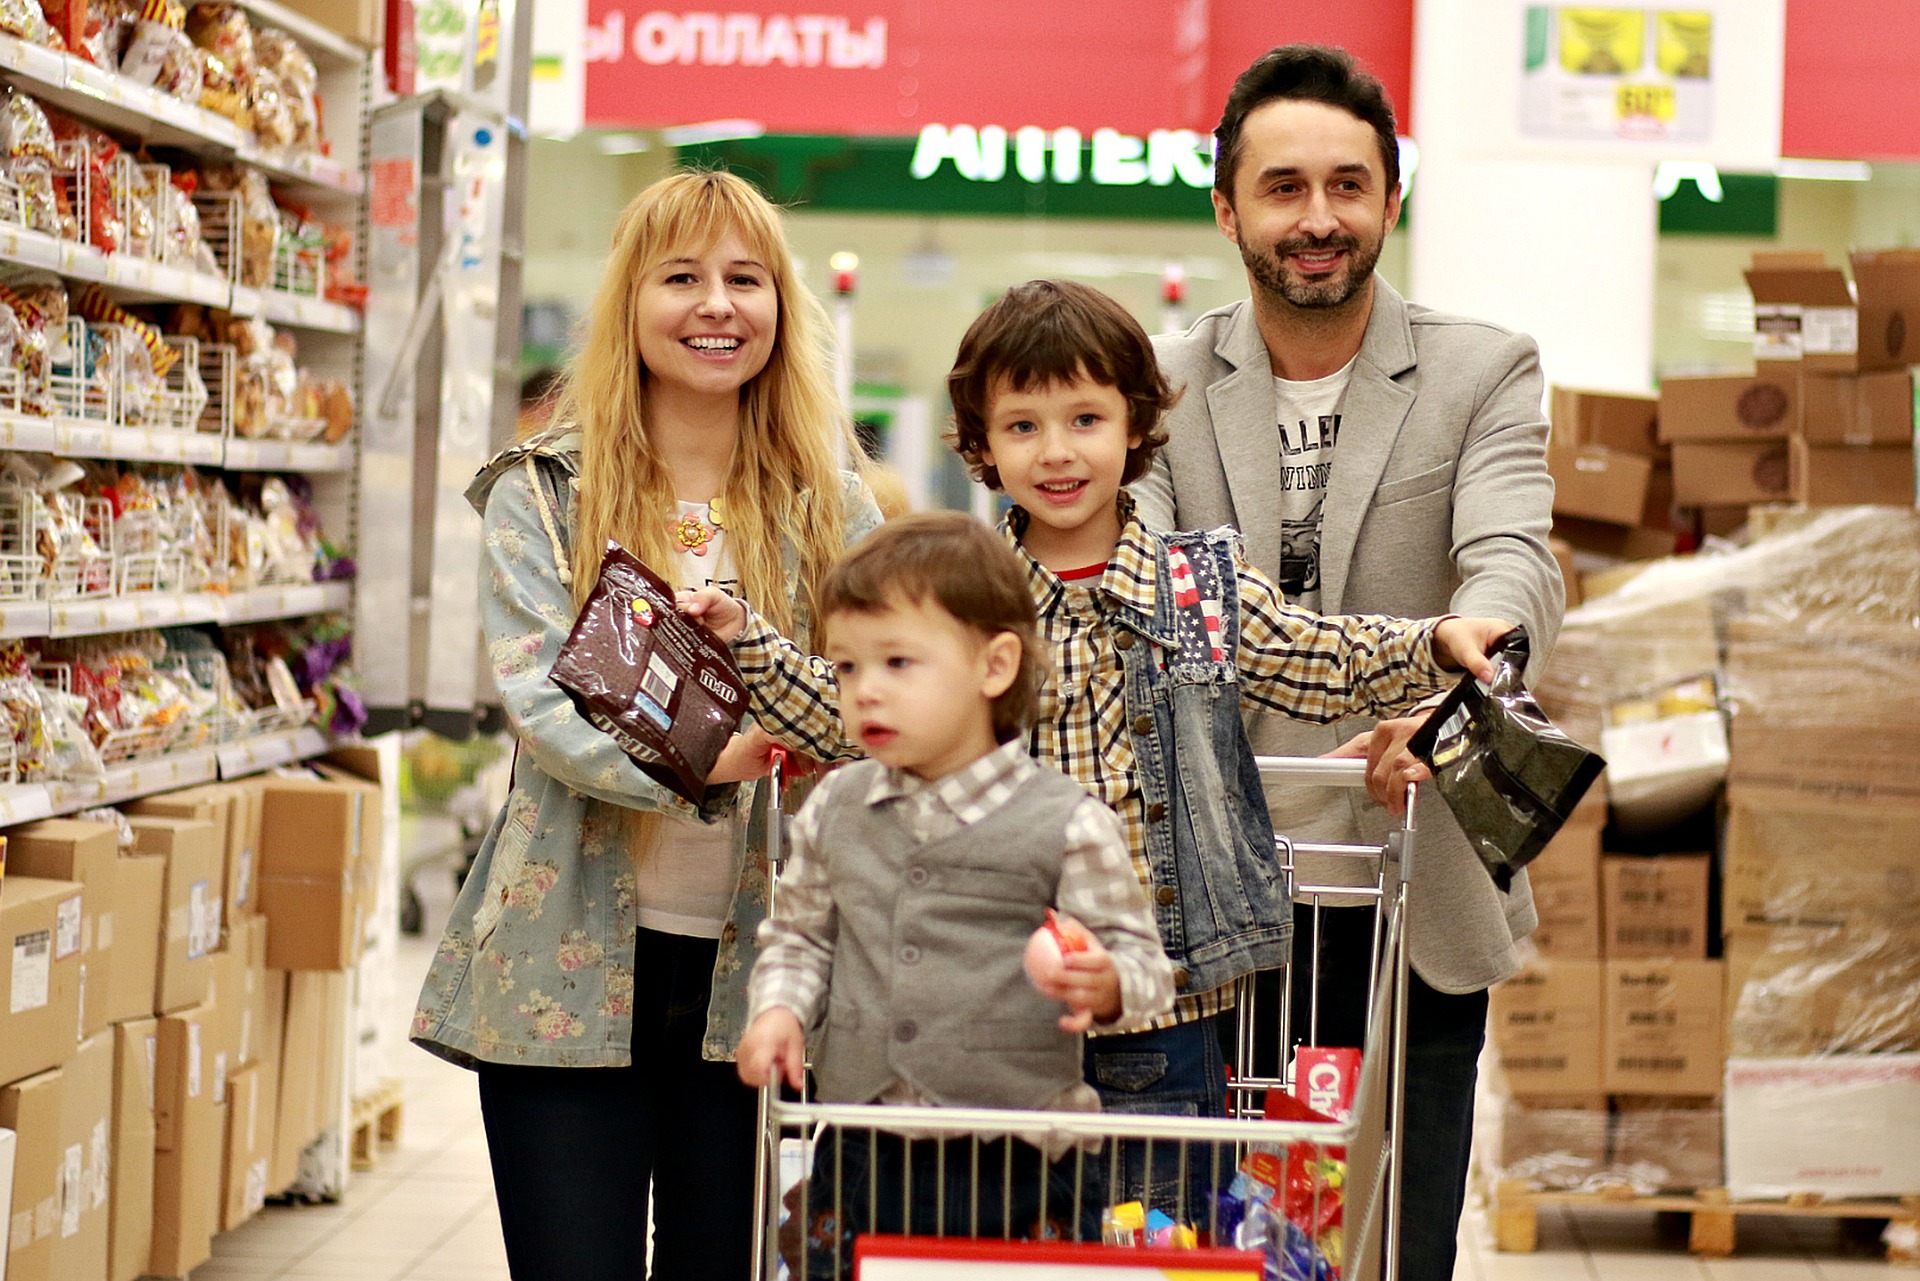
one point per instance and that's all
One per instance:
(954, 1198)
(1175, 1071)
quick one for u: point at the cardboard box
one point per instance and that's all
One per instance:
(1723, 473)
(210, 804)
(1596, 483)
(1551, 1143)
(315, 836)
(1843, 475)
(1655, 906)
(249, 1145)
(64, 849)
(1759, 406)
(86, 1126)
(1569, 573)
(39, 973)
(189, 1141)
(1670, 1144)
(192, 850)
(1545, 1026)
(31, 1109)
(234, 810)
(1889, 286)
(1625, 423)
(1803, 312)
(139, 930)
(361, 21)
(1848, 1122)
(240, 977)
(1857, 409)
(1664, 1030)
(1566, 894)
(136, 1047)
(1790, 859)
(1796, 990)
(1620, 542)
(1660, 771)
(9, 1149)
(297, 1114)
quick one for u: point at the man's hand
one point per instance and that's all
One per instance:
(1461, 644)
(1390, 766)
(725, 615)
(774, 1048)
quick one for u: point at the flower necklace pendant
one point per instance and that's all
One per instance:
(693, 534)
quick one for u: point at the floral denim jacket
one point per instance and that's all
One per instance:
(537, 963)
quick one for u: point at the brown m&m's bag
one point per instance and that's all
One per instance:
(662, 685)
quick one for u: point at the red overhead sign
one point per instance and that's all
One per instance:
(1851, 69)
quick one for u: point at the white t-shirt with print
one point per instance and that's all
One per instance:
(1308, 429)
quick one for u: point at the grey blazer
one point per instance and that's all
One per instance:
(1439, 502)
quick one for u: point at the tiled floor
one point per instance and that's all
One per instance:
(426, 1211)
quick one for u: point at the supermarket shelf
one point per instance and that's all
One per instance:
(134, 279)
(135, 444)
(28, 434)
(115, 102)
(298, 601)
(305, 167)
(158, 609)
(281, 455)
(25, 802)
(295, 309)
(264, 751)
(23, 618)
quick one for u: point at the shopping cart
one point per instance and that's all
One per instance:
(975, 1172)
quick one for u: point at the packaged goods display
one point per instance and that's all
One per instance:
(661, 684)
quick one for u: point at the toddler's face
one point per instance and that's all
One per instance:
(916, 686)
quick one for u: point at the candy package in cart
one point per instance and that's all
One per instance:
(660, 684)
(1510, 776)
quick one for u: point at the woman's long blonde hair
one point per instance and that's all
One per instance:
(783, 486)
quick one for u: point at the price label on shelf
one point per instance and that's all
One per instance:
(23, 803)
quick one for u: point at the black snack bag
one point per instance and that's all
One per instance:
(662, 685)
(1508, 773)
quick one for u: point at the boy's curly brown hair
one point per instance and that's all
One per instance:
(1055, 331)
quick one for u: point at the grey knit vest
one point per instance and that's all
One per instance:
(927, 985)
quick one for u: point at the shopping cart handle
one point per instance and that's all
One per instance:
(1328, 771)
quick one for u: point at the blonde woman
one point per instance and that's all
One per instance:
(594, 968)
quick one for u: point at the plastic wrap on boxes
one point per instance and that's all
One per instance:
(1550, 1145)
(1842, 990)
(1665, 1145)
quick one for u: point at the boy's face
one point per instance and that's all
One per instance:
(917, 685)
(1061, 449)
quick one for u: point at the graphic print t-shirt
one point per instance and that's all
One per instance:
(1307, 431)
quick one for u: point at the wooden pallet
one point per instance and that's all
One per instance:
(376, 1121)
(1515, 1205)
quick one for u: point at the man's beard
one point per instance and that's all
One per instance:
(1269, 272)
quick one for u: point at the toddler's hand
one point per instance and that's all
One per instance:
(774, 1048)
(1461, 644)
(1083, 979)
(725, 615)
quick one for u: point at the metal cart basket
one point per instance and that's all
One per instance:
(975, 1168)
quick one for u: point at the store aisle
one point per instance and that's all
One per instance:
(426, 1211)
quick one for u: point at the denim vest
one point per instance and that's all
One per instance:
(1218, 894)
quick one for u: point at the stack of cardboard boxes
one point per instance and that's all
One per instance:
(1612, 476)
(176, 1031)
(1792, 940)
(1826, 418)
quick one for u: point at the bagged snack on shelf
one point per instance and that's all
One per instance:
(185, 243)
(336, 407)
(341, 285)
(95, 304)
(82, 147)
(155, 33)
(299, 83)
(1507, 772)
(30, 358)
(90, 29)
(27, 157)
(225, 39)
(259, 218)
(272, 115)
(24, 19)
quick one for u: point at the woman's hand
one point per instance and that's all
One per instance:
(774, 1048)
(1461, 644)
(724, 615)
